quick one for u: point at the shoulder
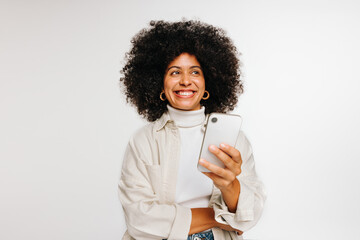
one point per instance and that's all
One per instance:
(146, 136)
(243, 145)
(242, 138)
(141, 142)
(143, 146)
(143, 133)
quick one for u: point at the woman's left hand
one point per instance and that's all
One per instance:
(225, 178)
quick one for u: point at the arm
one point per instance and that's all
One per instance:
(225, 178)
(241, 211)
(204, 218)
(231, 195)
(139, 188)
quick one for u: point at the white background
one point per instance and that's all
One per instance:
(64, 122)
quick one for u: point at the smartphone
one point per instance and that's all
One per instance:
(220, 128)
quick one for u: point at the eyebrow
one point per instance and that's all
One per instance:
(180, 67)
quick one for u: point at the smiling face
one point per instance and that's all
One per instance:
(184, 83)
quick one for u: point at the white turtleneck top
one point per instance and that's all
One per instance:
(193, 188)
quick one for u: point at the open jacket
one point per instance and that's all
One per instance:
(147, 187)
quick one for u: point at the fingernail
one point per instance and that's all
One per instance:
(212, 147)
(222, 145)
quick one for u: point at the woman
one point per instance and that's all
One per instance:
(175, 75)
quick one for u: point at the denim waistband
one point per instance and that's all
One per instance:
(205, 235)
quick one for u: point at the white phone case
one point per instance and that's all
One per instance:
(220, 128)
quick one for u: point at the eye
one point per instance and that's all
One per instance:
(196, 72)
(175, 73)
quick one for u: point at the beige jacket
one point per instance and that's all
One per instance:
(148, 183)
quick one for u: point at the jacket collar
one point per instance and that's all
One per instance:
(162, 121)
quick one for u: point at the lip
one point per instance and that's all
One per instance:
(185, 96)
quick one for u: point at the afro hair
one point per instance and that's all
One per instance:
(153, 48)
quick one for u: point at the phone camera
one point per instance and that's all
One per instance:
(214, 119)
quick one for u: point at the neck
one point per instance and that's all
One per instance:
(187, 118)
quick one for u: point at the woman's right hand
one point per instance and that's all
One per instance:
(203, 218)
(229, 228)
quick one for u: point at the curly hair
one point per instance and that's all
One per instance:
(155, 47)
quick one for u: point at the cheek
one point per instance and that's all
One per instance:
(201, 84)
(169, 84)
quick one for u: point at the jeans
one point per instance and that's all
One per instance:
(206, 235)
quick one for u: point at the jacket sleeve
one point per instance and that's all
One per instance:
(139, 188)
(252, 195)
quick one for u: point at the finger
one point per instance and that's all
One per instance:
(225, 158)
(215, 169)
(218, 181)
(232, 152)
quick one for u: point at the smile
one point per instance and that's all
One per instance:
(185, 94)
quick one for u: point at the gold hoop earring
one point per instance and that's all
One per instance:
(207, 96)
(161, 97)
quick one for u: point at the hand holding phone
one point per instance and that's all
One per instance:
(220, 128)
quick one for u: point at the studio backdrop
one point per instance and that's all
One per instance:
(65, 122)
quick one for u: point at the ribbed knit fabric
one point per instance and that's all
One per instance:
(193, 188)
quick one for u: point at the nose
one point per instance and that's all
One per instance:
(185, 80)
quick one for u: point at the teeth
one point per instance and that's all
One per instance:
(185, 93)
